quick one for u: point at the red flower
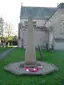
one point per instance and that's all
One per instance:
(34, 69)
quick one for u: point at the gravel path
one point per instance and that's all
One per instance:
(2, 55)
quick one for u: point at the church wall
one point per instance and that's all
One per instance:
(55, 21)
(39, 22)
(39, 36)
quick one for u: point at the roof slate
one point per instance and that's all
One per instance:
(37, 12)
(61, 5)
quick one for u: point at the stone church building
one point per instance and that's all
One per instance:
(48, 23)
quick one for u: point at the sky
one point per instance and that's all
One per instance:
(10, 9)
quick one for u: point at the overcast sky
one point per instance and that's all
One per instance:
(10, 9)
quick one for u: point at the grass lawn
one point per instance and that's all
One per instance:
(2, 49)
(17, 54)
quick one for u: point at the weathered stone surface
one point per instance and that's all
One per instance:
(18, 68)
(30, 54)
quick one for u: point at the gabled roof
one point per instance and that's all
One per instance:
(37, 12)
(61, 5)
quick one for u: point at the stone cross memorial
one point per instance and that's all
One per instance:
(30, 55)
(30, 65)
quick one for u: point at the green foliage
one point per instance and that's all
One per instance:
(9, 38)
(15, 40)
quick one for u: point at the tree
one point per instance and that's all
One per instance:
(1, 26)
(8, 29)
(15, 40)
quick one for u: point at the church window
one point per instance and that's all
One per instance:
(62, 27)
